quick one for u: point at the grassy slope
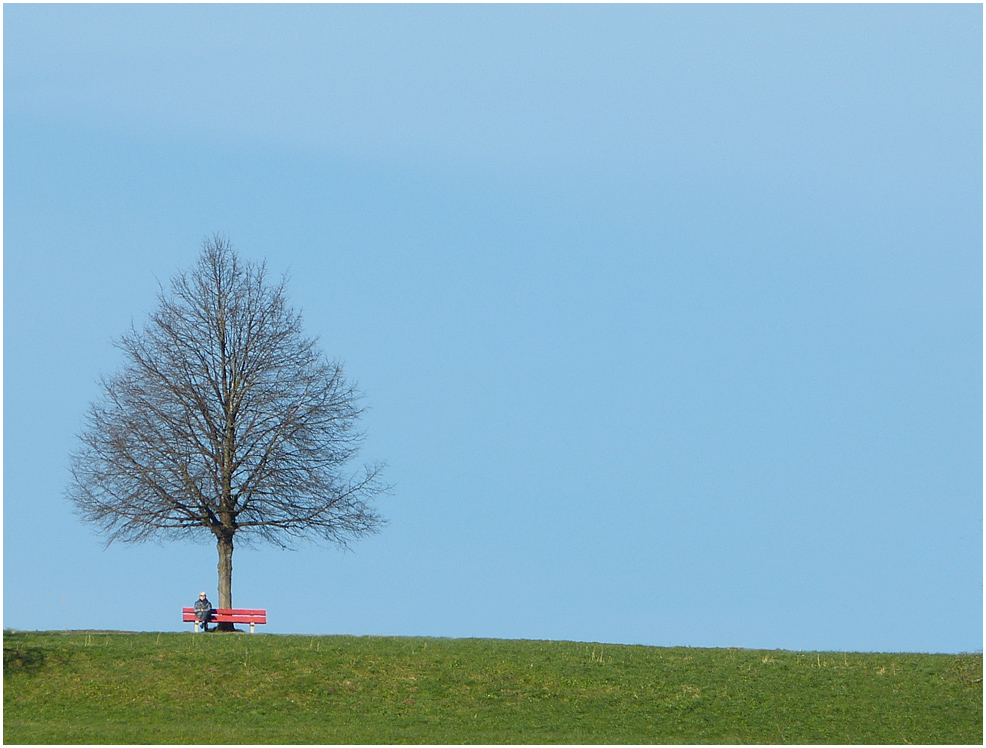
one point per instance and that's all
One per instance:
(179, 688)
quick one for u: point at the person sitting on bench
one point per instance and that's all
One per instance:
(203, 611)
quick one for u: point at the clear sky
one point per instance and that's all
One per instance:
(669, 318)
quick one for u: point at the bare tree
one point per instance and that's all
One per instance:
(225, 419)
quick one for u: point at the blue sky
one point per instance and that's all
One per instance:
(669, 318)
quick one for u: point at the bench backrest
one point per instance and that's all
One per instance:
(228, 615)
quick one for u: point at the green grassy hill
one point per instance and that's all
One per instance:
(107, 687)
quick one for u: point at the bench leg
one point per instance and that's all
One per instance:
(196, 626)
(251, 627)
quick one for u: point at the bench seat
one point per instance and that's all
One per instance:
(227, 615)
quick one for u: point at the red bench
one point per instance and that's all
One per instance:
(227, 615)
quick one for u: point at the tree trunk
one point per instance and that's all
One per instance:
(225, 546)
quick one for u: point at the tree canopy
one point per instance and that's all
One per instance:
(224, 418)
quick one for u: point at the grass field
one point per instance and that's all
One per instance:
(109, 687)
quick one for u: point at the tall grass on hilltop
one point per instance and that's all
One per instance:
(105, 687)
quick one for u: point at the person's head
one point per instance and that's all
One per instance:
(202, 595)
